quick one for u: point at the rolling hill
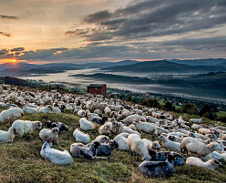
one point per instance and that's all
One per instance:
(164, 66)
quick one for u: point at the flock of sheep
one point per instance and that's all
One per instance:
(115, 118)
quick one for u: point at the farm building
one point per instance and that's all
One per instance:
(97, 89)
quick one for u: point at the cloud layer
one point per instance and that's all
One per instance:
(142, 29)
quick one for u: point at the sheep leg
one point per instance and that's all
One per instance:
(58, 144)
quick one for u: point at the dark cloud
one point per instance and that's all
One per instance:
(8, 17)
(18, 49)
(5, 34)
(98, 17)
(148, 18)
(3, 52)
(80, 32)
(207, 43)
(90, 51)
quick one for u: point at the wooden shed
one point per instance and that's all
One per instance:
(97, 89)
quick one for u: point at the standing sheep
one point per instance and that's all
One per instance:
(192, 145)
(23, 127)
(11, 114)
(137, 146)
(50, 135)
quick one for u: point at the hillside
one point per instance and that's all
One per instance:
(21, 161)
(200, 62)
(164, 67)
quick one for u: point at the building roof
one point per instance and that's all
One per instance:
(96, 85)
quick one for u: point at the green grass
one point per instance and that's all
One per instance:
(21, 161)
(221, 113)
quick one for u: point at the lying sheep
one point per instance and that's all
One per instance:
(204, 131)
(131, 118)
(121, 140)
(175, 159)
(137, 146)
(7, 136)
(196, 120)
(212, 164)
(50, 135)
(190, 144)
(151, 145)
(54, 155)
(196, 127)
(23, 127)
(81, 137)
(78, 150)
(85, 124)
(45, 109)
(174, 138)
(11, 114)
(106, 149)
(156, 169)
(81, 113)
(173, 146)
(99, 120)
(158, 156)
(106, 129)
(102, 139)
(59, 125)
(126, 129)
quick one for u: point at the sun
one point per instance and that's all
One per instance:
(14, 60)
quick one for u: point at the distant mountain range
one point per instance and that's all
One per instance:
(166, 66)
(200, 62)
(22, 68)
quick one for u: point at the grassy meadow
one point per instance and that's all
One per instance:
(21, 161)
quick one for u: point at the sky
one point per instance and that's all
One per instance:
(75, 31)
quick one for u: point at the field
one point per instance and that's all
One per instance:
(21, 161)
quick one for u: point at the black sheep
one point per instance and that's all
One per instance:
(105, 149)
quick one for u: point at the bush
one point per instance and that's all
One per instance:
(189, 108)
(150, 103)
(221, 118)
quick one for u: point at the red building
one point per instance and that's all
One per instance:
(97, 89)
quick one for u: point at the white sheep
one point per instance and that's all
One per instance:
(81, 137)
(106, 129)
(7, 136)
(181, 121)
(45, 109)
(144, 126)
(131, 118)
(196, 127)
(85, 124)
(11, 114)
(24, 126)
(171, 145)
(50, 135)
(81, 113)
(190, 144)
(102, 139)
(121, 140)
(137, 146)
(54, 155)
(211, 164)
(126, 129)
(30, 110)
(151, 145)
(196, 120)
